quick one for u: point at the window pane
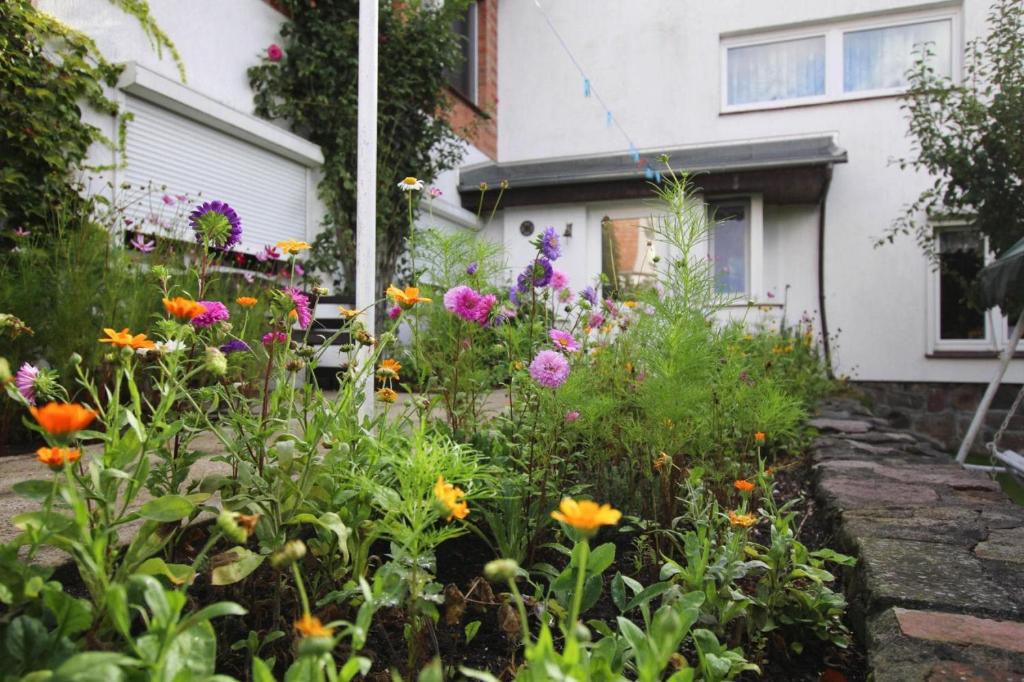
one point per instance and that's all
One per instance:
(461, 77)
(729, 247)
(776, 71)
(960, 259)
(879, 58)
(627, 255)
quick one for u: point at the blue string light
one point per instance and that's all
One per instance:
(586, 87)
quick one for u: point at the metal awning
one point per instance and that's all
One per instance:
(786, 171)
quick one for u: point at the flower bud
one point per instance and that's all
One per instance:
(292, 551)
(215, 361)
(315, 646)
(227, 522)
(5, 371)
(582, 632)
(501, 570)
(320, 291)
(75, 360)
(294, 365)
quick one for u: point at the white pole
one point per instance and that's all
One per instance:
(366, 179)
(990, 392)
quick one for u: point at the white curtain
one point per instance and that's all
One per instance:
(879, 58)
(776, 71)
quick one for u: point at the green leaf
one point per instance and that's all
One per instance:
(647, 594)
(73, 615)
(261, 671)
(94, 666)
(192, 653)
(601, 558)
(241, 562)
(34, 490)
(471, 629)
(167, 508)
(178, 574)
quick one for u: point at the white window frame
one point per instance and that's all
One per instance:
(833, 34)
(997, 327)
(755, 244)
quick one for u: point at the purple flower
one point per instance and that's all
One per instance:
(249, 277)
(550, 369)
(559, 280)
(301, 310)
(595, 321)
(274, 337)
(589, 295)
(435, 192)
(142, 244)
(468, 304)
(564, 340)
(182, 198)
(513, 295)
(214, 312)
(25, 382)
(395, 312)
(298, 270)
(217, 223)
(536, 274)
(471, 268)
(234, 346)
(549, 244)
(268, 253)
(572, 416)
(21, 232)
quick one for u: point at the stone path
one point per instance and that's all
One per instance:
(938, 592)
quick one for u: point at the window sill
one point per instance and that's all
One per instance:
(459, 97)
(968, 355)
(770, 106)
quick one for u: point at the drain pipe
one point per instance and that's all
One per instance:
(825, 345)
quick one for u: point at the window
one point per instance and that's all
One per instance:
(960, 258)
(878, 58)
(463, 77)
(850, 59)
(627, 254)
(730, 246)
(787, 69)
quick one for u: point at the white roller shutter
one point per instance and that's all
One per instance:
(269, 191)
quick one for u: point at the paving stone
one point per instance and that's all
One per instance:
(1003, 545)
(848, 492)
(841, 425)
(928, 575)
(961, 629)
(954, 671)
(882, 437)
(949, 525)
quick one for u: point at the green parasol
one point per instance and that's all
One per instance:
(1001, 282)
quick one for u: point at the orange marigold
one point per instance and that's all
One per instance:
(183, 308)
(742, 520)
(387, 395)
(60, 419)
(406, 298)
(451, 497)
(586, 515)
(347, 313)
(310, 626)
(744, 486)
(390, 368)
(759, 437)
(55, 458)
(124, 339)
(247, 301)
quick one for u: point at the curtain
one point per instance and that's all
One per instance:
(776, 71)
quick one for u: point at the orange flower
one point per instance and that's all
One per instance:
(662, 461)
(389, 369)
(183, 308)
(292, 247)
(310, 626)
(450, 496)
(347, 312)
(247, 301)
(744, 486)
(743, 520)
(59, 419)
(586, 515)
(387, 395)
(55, 458)
(407, 298)
(124, 338)
(759, 438)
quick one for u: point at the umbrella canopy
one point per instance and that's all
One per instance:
(1001, 282)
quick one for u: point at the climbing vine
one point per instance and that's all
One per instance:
(312, 85)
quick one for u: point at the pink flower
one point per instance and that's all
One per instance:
(168, 199)
(142, 244)
(215, 312)
(274, 337)
(559, 280)
(274, 52)
(564, 340)
(395, 312)
(21, 232)
(268, 253)
(468, 304)
(301, 302)
(25, 382)
(572, 416)
(435, 192)
(550, 369)
(595, 321)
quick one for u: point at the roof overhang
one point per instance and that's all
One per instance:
(785, 171)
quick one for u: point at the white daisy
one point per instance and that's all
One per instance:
(410, 184)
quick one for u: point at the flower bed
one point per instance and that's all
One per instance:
(627, 497)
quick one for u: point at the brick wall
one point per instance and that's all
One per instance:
(944, 410)
(478, 122)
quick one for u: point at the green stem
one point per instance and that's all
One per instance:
(577, 597)
(518, 598)
(301, 587)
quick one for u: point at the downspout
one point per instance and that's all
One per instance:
(825, 345)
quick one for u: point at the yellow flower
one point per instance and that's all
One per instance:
(310, 626)
(246, 301)
(629, 304)
(406, 298)
(586, 515)
(60, 419)
(292, 247)
(124, 339)
(450, 496)
(347, 313)
(55, 458)
(662, 461)
(389, 369)
(387, 395)
(410, 184)
(183, 308)
(743, 520)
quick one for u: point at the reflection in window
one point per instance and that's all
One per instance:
(776, 71)
(879, 58)
(730, 246)
(627, 254)
(462, 78)
(960, 258)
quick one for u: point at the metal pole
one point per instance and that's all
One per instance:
(990, 392)
(366, 180)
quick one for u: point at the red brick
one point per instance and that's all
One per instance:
(961, 629)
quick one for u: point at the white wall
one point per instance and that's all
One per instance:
(656, 63)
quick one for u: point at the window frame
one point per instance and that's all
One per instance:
(473, 63)
(755, 243)
(834, 34)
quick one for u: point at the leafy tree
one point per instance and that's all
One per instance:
(968, 137)
(313, 87)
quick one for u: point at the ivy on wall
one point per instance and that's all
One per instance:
(313, 87)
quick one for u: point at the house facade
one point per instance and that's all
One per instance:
(789, 114)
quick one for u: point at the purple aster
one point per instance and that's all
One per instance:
(395, 312)
(513, 295)
(140, 243)
(536, 274)
(214, 312)
(564, 340)
(234, 346)
(274, 337)
(550, 369)
(302, 311)
(503, 316)
(549, 244)
(217, 223)
(168, 199)
(572, 416)
(25, 382)
(471, 268)
(468, 304)
(589, 295)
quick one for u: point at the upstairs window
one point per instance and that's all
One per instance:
(878, 58)
(783, 70)
(463, 78)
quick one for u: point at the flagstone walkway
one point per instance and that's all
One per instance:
(938, 592)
